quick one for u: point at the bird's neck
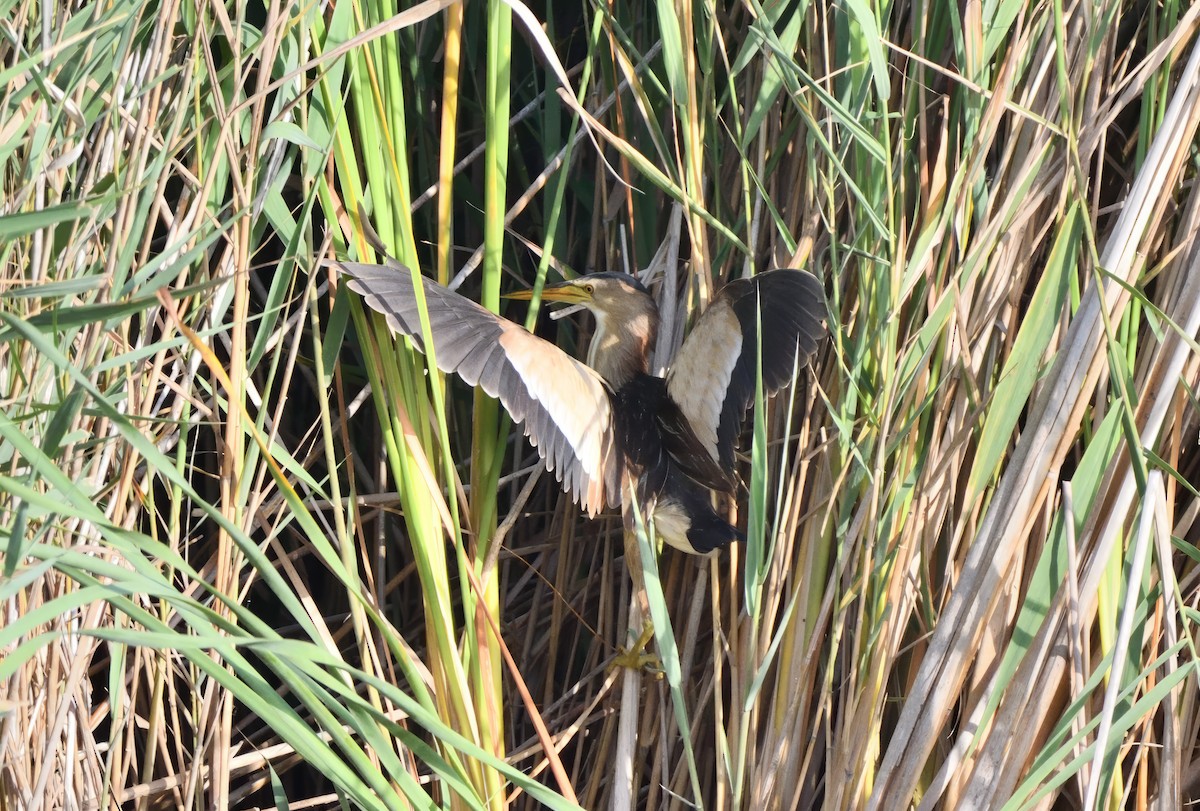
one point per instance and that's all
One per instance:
(620, 352)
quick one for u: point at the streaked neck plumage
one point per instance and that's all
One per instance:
(621, 351)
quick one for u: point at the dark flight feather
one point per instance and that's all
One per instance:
(788, 306)
(563, 405)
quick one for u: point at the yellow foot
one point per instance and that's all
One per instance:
(636, 657)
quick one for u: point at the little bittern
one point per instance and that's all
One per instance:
(608, 423)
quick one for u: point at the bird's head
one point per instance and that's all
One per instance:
(611, 297)
(626, 320)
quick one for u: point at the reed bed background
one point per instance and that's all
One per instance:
(254, 556)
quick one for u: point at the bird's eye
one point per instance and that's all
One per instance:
(589, 289)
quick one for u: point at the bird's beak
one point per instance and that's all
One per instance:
(565, 292)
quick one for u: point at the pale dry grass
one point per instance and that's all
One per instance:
(999, 439)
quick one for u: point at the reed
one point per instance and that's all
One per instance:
(256, 552)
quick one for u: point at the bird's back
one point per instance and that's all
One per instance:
(676, 477)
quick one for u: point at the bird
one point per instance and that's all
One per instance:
(610, 430)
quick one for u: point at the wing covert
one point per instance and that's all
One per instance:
(564, 405)
(712, 378)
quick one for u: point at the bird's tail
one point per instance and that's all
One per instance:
(709, 533)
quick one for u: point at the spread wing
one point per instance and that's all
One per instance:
(563, 404)
(712, 378)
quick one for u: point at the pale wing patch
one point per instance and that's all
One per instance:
(701, 372)
(575, 399)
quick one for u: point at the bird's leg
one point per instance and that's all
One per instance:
(636, 657)
(633, 552)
